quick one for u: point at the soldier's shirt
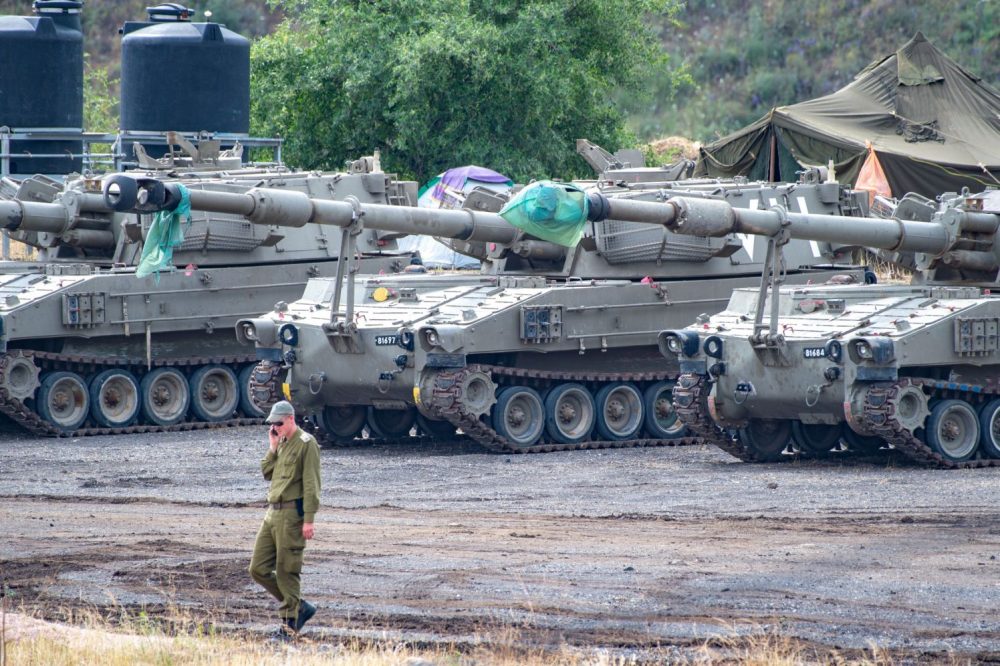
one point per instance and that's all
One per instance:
(294, 472)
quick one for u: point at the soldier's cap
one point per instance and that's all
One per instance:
(279, 412)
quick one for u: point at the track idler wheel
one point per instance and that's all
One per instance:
(19, 375)
(910, 407)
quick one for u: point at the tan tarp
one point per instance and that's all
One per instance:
(872, 177)
(933, 126)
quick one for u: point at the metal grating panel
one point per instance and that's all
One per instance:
(630, 242)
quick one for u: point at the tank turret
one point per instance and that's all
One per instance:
(550, 347)
(823, 369)
(88, 347)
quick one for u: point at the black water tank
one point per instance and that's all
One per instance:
(41, 84)
(183, 76)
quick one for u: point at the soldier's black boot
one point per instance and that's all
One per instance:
(285, 631)
(306, 611)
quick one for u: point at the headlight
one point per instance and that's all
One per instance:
(679, 343)
(879, 351)
(249, 331)
(432, 337)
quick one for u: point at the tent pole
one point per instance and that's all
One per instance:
(772, 161)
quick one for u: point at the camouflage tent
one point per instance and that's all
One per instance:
(931, 125)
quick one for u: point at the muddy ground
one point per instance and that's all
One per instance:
(630, 551)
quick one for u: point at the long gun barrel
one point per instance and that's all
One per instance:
(939, 238)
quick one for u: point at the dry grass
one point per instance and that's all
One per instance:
(127, 639)
(672, 148)
(21, 252)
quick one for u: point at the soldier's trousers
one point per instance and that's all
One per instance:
(277, 558)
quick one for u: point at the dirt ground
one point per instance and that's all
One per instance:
(631, 551)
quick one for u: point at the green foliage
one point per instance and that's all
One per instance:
(100, 99)
(742, 58)
(439, 83)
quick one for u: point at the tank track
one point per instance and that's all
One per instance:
(691, 407)
(446, 403)
(265, 384)
(27, 418)
(879, 415)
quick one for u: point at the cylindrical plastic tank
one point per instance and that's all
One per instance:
(184, 76)
(41, 85)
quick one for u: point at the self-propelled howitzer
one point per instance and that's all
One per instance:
(87, 347)
(549, 347)
(821, 367)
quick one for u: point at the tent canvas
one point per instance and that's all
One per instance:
(448, 190)
(934, 127)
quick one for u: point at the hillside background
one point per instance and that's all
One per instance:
(738, 58)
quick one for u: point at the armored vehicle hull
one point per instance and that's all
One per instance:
(87, 347)
(551, 348)
(821, 369)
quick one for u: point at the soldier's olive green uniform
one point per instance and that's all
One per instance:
(277, 555)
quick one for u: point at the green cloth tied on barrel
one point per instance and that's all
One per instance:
(165, 233)
(555, 212)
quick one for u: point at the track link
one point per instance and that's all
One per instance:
(27, 418)
(446, 403)
(879, 415)
(691, 406)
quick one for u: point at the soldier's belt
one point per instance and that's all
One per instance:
(290, 504)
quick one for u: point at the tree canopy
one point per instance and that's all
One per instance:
(434, 84)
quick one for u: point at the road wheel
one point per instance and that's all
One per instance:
(619, 411)
(166, 396)
(815, 438)
(989, 428)
(439, 430)
(661, 420)
(863, 444)
(391, 423)
(215, 393)
(63, 400)
(343, 422)
(767, 438)
(569, 413)
(953, 430)
(114, 398)
(519, 415)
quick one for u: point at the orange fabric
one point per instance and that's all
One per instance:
(872, 177)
